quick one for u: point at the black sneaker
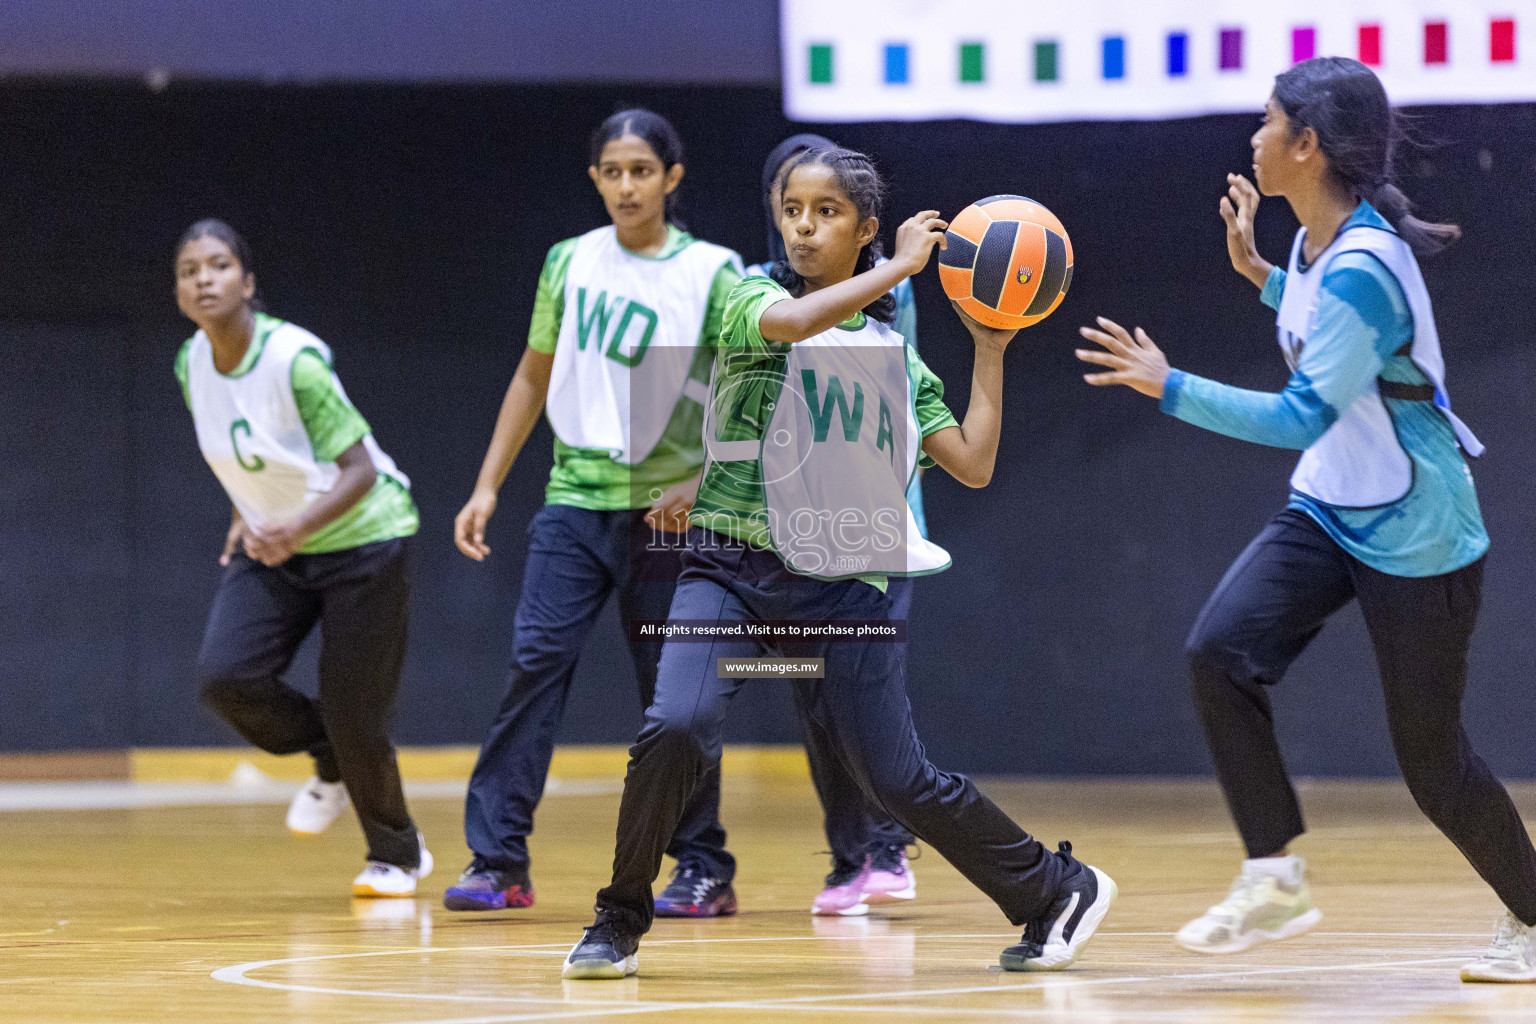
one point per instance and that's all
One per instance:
(1052, 941)
(692, 893)
(603, 952)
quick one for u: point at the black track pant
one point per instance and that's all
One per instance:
(260, 617)
(1270, 605)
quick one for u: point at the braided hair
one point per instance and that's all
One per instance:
(858, 179)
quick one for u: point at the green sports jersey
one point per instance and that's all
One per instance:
(333, 425)
(750, 373)
(590, 478)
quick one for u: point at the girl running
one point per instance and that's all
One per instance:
(818, 412)
(869, 850)
(318, 533)
(1382, 509)
(625, 325)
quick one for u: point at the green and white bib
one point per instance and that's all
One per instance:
(251, 434)
(837, 456)
(627, 343)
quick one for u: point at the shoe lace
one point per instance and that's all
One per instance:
(1246, 892)
(694, 878)
(1509, 939)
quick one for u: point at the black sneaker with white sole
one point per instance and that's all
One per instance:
(604, 951)
(1052, 941)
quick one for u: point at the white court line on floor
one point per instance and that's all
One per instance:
(238, 974)
(123, 795)
(815, 1003)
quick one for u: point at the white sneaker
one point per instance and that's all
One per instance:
(1512, 957)
(316, 806)
(390, 880)
(1263, 905)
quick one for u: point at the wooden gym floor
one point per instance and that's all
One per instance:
(216, 914)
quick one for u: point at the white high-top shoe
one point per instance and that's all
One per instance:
(1511, 957)
(1265, 903)
(389, 880)
(316, 806)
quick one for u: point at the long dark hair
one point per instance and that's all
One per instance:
(652, 129)
(1343, 102)
(777, 158)
(212, 227)
(858, 179)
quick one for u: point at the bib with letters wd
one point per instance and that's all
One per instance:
(1359, 462)
(627, 342)
(837, 456)
(251, 434)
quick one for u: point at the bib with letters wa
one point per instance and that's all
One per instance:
(1359, 462)
(251, 434)
(836, 458)
(627, 342)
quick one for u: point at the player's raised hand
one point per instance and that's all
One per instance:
(469, 524)
(1135, 362)
(981, 334)
(916, 238)
(1238, 207)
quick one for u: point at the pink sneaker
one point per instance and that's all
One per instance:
(888, 876)
(844, 894)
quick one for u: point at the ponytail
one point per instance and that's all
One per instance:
(1343, 101)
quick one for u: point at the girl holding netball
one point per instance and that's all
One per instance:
(1382, 509)
(318, 534)
(624, 331)
(817, 415)
(869, 850)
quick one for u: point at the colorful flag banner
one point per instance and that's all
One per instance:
(1024, 61)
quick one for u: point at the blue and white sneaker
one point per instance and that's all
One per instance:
(692, 893)
(604, 952)
(1052, 941)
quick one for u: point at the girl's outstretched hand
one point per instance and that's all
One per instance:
(1134, 362)
(981, 334)
(1238, 207)
(916, 238)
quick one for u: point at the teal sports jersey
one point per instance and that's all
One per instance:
(1363, 321)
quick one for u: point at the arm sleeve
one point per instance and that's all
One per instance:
(549, 299)
(332, 423)
(744, 306)
(1274, 287)
(714, 310)
(1357, 327)
(181, 371)
(932, 413)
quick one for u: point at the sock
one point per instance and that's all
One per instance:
(1287, 869)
